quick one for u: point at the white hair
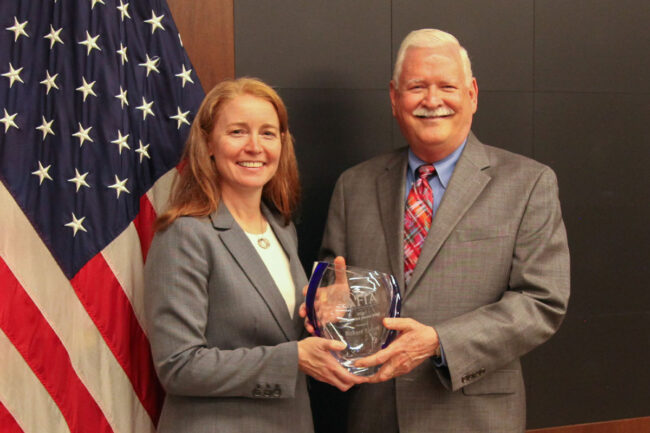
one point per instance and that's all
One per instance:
(431, 38)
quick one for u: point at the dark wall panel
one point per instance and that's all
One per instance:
(333, 129)
(591, 371)
(600, 156)
(505, 119)
(498, 35)
(588, 45)
(337, 44)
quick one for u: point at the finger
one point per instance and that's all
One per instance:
(304, 290)
(378, 358)
(339, 270)
(399, 324)
(333, 380)
(335, 345)
(302, 310)
(308, 327)
(349, 379)
(385, 373)
(335, 374)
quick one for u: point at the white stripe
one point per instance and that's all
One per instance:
(24, 395)
(159, 192)
(36, 270)
(124, 257)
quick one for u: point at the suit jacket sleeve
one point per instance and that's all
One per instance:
(179, 267)
(532, 307)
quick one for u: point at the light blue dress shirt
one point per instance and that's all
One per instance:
(444, 169)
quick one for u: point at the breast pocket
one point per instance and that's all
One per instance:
(483, 233)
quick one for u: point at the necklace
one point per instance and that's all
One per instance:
(261, 240)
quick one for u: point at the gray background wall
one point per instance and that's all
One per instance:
(563, 81)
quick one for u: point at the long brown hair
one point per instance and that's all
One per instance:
(195, 191)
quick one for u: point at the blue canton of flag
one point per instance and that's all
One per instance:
(96, 99)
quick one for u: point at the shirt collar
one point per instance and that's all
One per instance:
(444, 167)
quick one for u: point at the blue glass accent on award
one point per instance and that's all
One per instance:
(348, 304)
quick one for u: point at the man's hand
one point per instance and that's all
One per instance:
(415, 343)
(316, 360)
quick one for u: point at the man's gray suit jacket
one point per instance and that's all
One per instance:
(492, 279)
(224, 345)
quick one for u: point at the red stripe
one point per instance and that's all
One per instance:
(108, 306)
(144, 224)
(7, 422)
(29, 332)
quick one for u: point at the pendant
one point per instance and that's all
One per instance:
(263, 243)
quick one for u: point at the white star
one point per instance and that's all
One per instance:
(123, 8)
(155, 22)
(185, 75)
(9, 121)
(119, 187)
(122, 53)
(180, 117)
(121, 141)
(146, 108)
(90, 43)
(13, 75)
(86, 88)
(53, 36)
(46, 127)
(42, 172)
(150, 64)
(49, 82)
(94, 2)
(79, 179)
(142, 150)
(18, 29)
(76, 224)
(122, 97)
(83, 134)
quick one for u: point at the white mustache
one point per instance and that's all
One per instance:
(438, 112)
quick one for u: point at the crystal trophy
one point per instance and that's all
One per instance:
(348, 304)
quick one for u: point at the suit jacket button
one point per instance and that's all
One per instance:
(277, 391)
(257, 392)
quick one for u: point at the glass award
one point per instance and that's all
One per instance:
(348, 304)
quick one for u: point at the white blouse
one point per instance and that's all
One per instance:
(277, 263)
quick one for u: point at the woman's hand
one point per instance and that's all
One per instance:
(331, 301)
(315, 360)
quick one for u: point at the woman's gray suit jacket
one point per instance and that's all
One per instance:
(223, 343)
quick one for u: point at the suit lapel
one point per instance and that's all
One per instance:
(463, 189)
(238, 244)
(283, 233)
(390, 195)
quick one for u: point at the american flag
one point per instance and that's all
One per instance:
(96, 99)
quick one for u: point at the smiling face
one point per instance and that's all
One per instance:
(246, 145)
(433, 101)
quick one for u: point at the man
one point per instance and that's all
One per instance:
(476, 240)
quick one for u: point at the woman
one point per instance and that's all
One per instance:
(223, 277)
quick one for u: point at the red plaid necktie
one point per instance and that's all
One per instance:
(417, 219)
